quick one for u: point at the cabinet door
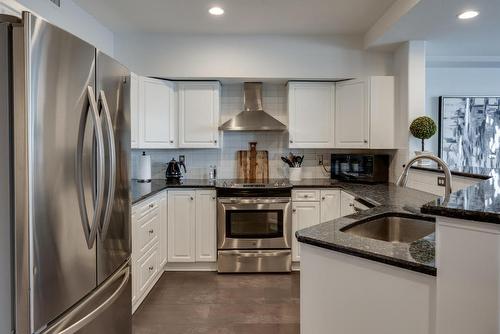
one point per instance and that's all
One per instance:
(346, 204)
(134, 256)
(163, 229)
(352, 114)
(181, 226)
(157, 114)
(199, 109)
(330, 205)
(382, 113)
(304, 214)
(134, 110)
(206, 229)
(311, 108)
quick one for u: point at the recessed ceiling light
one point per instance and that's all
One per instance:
(468, 15)
(216, 11)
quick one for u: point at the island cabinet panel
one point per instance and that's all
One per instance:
(206, 226)
(199, 109)
(304, 214)
(181, 226)
(468, 281)
(341, 293)
(428, 181)
(311, 108)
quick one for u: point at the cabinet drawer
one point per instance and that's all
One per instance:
(148, 267)
(306, 195)
(147, 206)
(148, 231)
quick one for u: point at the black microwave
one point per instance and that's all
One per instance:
(360, 168)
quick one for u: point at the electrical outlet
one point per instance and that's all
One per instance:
(320, 160)
(441, 181)
(182, 158)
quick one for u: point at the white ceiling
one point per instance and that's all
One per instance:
(436, 22)
(302, 17)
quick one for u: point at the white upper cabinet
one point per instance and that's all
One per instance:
(311, 109)
(199, 110)
(364, 114)
(134, 110)
(351, 115)
(157, 114)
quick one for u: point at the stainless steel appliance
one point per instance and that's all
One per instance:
(67, 154)
(363, 168)
(253, 117)
(254, 226)
(173, 172)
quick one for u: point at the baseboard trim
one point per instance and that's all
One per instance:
(199, 266)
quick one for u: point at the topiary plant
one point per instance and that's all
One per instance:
(423, 128)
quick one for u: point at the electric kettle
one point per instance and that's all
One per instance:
(174, 170)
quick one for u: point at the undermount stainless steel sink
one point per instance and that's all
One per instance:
(392, 229)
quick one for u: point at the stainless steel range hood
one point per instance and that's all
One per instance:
(253, 117)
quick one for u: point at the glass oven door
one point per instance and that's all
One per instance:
(254, 223)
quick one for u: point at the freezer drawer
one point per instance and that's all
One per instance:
(106, 310)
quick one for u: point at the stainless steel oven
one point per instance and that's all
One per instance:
(254, 229)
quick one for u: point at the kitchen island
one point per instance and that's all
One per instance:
(355, 284)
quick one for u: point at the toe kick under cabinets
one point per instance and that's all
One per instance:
(172, 230)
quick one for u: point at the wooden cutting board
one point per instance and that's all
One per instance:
(252, 164)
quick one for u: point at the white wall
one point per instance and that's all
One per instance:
(458, 81)
(234, 56)
(69, 17)
(409, 70)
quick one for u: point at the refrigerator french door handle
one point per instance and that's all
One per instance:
(112, 167)
(60, 326)
(90, 229)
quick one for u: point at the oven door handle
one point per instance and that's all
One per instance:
(254, 200)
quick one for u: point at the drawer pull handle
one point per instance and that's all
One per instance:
(151, 231)
(151, 268)
(351, 204)
(306, 196)
(152, 205)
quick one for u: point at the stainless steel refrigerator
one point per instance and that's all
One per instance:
(64, 161)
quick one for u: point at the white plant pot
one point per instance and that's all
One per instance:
(295, 173)
(423, 162)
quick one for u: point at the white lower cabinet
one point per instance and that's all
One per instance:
(206, 229)
(181, 226)
(192, 226)
(149, 242)
(304, 214)
(314, 206)
(330, 205)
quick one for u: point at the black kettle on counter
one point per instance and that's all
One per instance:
(173, 172)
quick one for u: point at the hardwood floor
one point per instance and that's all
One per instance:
(206, 302)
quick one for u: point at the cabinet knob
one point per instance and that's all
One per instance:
(191, 198)
(171, 141)
(291, 141)
(213, 198)
(365, 141)
(294, 210)
(151, 231)
(152, 205)
(306, 196)
(351, 204)
(323, 198)
(215, 141)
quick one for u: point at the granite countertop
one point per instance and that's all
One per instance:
(418, 256)
(140, 191)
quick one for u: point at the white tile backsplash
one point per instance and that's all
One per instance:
(198, 161)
